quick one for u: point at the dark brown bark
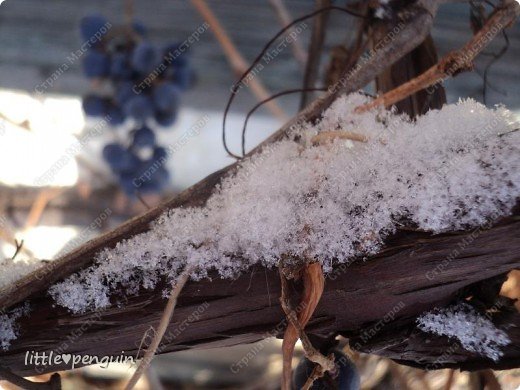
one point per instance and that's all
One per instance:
(380, 297)
(408, 67)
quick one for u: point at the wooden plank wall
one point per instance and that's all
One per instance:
(37, 36)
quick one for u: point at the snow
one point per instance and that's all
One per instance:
(451, 169)
(8, 327)
(474, 332)
(13, 270)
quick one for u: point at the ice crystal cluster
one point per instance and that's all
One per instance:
(13, 270)
(450, 169)
(8, 327)
(475, 332)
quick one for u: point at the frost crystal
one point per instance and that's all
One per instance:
(474, 332)
(8, 327)
(13, 270)
(446, 171)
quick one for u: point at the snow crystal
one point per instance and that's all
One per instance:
(474, 332)
(13, 270)
(448, 170)
(8, 327)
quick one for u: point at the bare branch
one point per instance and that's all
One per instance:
(315, 47)
(285, 18)
(453, 63)
(238, 63)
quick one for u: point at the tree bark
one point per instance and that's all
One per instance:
(373, 302)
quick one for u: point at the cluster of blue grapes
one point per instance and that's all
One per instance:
(146, 84)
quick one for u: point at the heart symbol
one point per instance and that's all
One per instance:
(66, 357)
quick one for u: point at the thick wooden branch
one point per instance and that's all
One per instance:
(410, 35)
(414, 273)
(453, 63)
(380, 297)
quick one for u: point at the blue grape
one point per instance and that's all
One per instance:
(124, 91)
(166, 97)
(145, 58)
(159, 154)
(184, 78)
(115, 116)
(140, 28)
(120, 159)
(138, 107)
(112, 153)
(95, 105)
(96, 64)
(165, 119)
(163, 176)
(127, 182)
(144, 137)
(157, 180)
(91, 25)
(175, 56)
(151, 186)
(120, 67)
(345, 378)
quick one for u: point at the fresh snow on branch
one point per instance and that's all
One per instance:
(13, 270)
(451, 169)
(474, 332)
(8, 327)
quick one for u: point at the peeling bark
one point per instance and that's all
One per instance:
(379, 297)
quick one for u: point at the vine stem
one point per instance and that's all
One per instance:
(237, 62)
(453, 63)
(166, 317)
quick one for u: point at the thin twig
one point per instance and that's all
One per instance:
(313, 289)
(316, 374)
(24, 125)
(129, 12)
(142, 200)
(19, 246)
(236, 86)
(39, 205)
(177, 287)
(238, 63)
(453, 63)
(285, 18)
(310, 352)
(326, 136)
(260, 104)
(8, 236)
